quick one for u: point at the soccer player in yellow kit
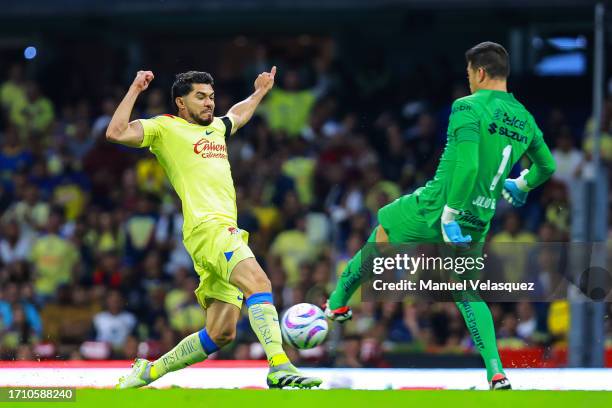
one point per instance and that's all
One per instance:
(191, 147)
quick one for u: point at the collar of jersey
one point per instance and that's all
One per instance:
(189, 123)
(497, 94)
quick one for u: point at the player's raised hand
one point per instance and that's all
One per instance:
(142, 80)
(265, 80)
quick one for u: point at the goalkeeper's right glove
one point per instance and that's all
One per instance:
(515, 190)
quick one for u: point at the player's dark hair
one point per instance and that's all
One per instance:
(183, 84)
(491, 57)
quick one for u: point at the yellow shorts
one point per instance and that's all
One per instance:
(215, 251)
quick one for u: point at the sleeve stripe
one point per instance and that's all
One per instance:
(228, 126)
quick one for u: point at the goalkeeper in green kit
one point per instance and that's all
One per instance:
(488, 132)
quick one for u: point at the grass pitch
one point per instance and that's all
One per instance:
(191, 398)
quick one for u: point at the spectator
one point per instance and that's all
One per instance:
(527, 323)
(349, 356)
(19, 332)
(12, 91)
(511, 245)
(105, 237)
(113, 325)
(140, 230)
(54, 259)
(150, 176)
(107, 274)
(507, 334)
(81, 141)
(169, 237)
(293, 248)
(34, 114)
(300, 168)
(287, 108)
(557, 208)
(317, 292)
(101, 122)
(423, 144)
(31, 212)
(12, 302)
(396, 156)
(14, 245)
(13, 156)
(568, 158)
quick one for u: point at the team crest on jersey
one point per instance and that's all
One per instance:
(233, 230)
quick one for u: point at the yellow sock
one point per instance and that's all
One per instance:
(264, 321)
(189, 351)
(278, 359)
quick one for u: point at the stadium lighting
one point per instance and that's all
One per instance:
(30, 52)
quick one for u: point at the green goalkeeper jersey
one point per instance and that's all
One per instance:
(488, 132)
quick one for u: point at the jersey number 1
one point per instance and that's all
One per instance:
(502, 166)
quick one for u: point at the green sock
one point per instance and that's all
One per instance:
(479, 322)
(189, 351)
(352, 277)
(264, 321)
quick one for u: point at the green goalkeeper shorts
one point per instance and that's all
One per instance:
(404, 222)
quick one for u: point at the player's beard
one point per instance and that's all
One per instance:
(198, 119)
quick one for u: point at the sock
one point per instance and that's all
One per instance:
(192, 349)
(264, 321)
(479, 322)
(352, 277)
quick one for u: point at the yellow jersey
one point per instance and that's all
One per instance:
(194, 158)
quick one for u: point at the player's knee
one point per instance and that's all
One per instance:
(222, 335)
(259, 283)
(251, 279)
(262, 282)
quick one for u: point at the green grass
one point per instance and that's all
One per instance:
(189, 398)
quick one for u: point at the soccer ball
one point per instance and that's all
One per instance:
(304, 326)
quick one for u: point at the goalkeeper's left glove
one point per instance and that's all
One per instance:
(515, 190)
(451, 231)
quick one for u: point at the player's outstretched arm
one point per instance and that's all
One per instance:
(120, 129)
(242, 112)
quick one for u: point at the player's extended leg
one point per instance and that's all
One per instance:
(221, 320)
(352, 277)
(257, 289)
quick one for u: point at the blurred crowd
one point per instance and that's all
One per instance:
(92, 264)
